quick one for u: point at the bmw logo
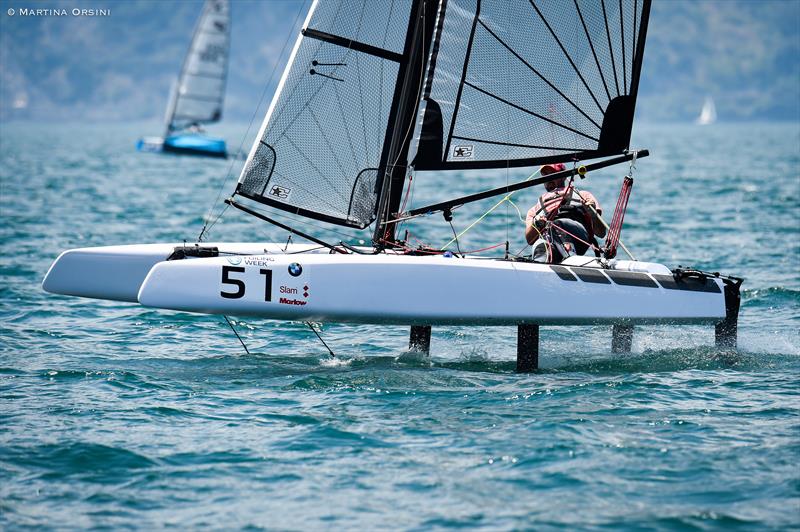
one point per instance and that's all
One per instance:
(295, 269)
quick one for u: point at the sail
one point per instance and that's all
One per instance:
(526, 82)
(708, 115)
(319, 148)
(200, 91)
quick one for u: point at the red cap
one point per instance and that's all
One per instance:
(552, 168)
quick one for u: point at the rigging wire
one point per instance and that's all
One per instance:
(237, 334)
(307, 222)
(206, 225)
(507, 197)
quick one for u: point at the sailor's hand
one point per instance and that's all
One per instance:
(539, 223)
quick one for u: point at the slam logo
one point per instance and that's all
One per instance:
(280, 192)
(464, 151)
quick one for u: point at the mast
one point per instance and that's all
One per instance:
(399, 133)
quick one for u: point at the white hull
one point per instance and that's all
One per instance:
(255, 280)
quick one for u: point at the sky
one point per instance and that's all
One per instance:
(119, 67)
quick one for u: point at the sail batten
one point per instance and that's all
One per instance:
(594, 52)
(199, 95)
(568, 57)
(501, 143)
(355, 45)
(546, 119)
(622, 45)
(547, 81)
(610, 47)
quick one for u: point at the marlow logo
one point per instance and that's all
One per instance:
(280, 192)
(465, 151)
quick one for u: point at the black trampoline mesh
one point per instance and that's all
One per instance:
(530, 81)
(323, 140)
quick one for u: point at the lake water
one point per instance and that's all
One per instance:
(117, 416)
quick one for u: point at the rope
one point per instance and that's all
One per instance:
(588, 244)
(487, 213)
(621, 244)
(432, 251)
(206, 225)
(619, 215)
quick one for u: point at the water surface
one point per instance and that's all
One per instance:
(113, 415)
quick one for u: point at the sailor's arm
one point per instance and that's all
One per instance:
(533, 228)
(598, 227)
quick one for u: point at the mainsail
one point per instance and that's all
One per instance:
(200, 90)
(506, 83)
(526, 82)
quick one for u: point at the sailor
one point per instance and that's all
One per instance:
(564, 222)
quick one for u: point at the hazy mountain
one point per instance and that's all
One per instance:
(745, 54)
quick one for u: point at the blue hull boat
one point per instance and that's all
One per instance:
(197, 97)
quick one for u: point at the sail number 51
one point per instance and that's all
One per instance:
(238, 284)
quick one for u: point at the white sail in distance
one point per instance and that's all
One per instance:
(708, 115)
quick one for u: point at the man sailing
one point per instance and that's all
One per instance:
(562, 223)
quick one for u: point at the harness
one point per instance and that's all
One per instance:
(569, 208)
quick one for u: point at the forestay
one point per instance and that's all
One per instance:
(526, 82)
(319, 147)
(199, 94)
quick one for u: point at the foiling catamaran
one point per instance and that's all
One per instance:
(376, 90)
(198, 96)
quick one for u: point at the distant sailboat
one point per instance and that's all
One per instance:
(198, 96)
(708, 115)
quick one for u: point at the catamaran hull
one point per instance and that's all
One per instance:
(261, 280)
(184, 145)
(195, 145)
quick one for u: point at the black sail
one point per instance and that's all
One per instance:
(319, 148)
(526, 82)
